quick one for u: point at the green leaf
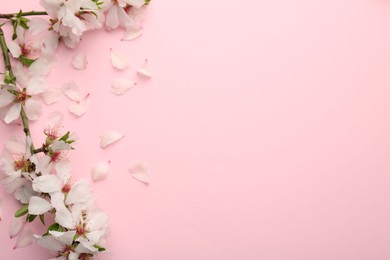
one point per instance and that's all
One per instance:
(26, 61)
(147, 2)
(99, 248)
(22, 211)
(54, 227)
(65, 137)
(31, 218)
(42, 218)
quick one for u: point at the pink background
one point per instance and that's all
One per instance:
(266, 129)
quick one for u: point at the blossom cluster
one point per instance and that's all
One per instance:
(40, 177)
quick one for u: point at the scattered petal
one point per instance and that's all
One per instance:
(54, 119)
(100, 171)
(79, 61)
(16, 226)
(120, 86)
(38, 206)
(144, 70)
(109, 137)
(118, 60)
(131, 34)
(51, 96)
(25, 239)
(140, 173)
(71, 90)
(79, 108)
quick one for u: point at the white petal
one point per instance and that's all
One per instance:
(50, 243)
(118, 60)
(80, 194)
(15, 49)
(60, 146)
(47, 183)
(64, 237)
(144, 70)
(131, 34)
(109, 137)
(25, 239)
(16, 226)
(51, 96)
(112, 19)
(64, 217)
(40, 68)
(37, 25)
(57, 199)
(36, 85)
(100, 171)
(15, 145)
(120, 86)
(71, 90)
(38, 206)
(139, 172)
(78, 108)
(85, 246)
(6, 98)
(136, 3)
(79, 61)
(24, 193)
(42, 164)
(63, 169)
(33, 109)
(54, 119)
(95, 236)
(13, 113)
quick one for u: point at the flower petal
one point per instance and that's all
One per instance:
(54, 119)
(38, 206)
(144, 70)
(100, 171)
(15, 145)
(51, 96)
(15, 49)
(64, 217)
(80, 194)
(60, 146)
(16, 226)
(36, 85)
(79, 61)
(64, 237)
(50, 243)
(139, 172)
(63, 169)
(109, 137)
(47, 183)
(131, 34)
(118, 60)
(13, 113)
(120, 86)
(33, 109)
(25, 239)
(6, 98)
(71, 90)
(78, 108)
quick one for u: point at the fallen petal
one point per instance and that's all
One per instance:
(51, 96)
(109, 137)
(25, 239)
(118, 60)
(16, 226)
(120, 86)
(139, 172)
(100, 171)
(79, 61)
(144, 70)
(78, 108)
(71, 90)
(132, 34)
(54, 119)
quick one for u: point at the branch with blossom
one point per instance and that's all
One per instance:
(40, 177)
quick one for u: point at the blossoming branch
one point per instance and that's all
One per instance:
(40, 177)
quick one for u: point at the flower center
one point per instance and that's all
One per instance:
(55, 157)
(66, 188)
(80, 230)
(20, 163)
